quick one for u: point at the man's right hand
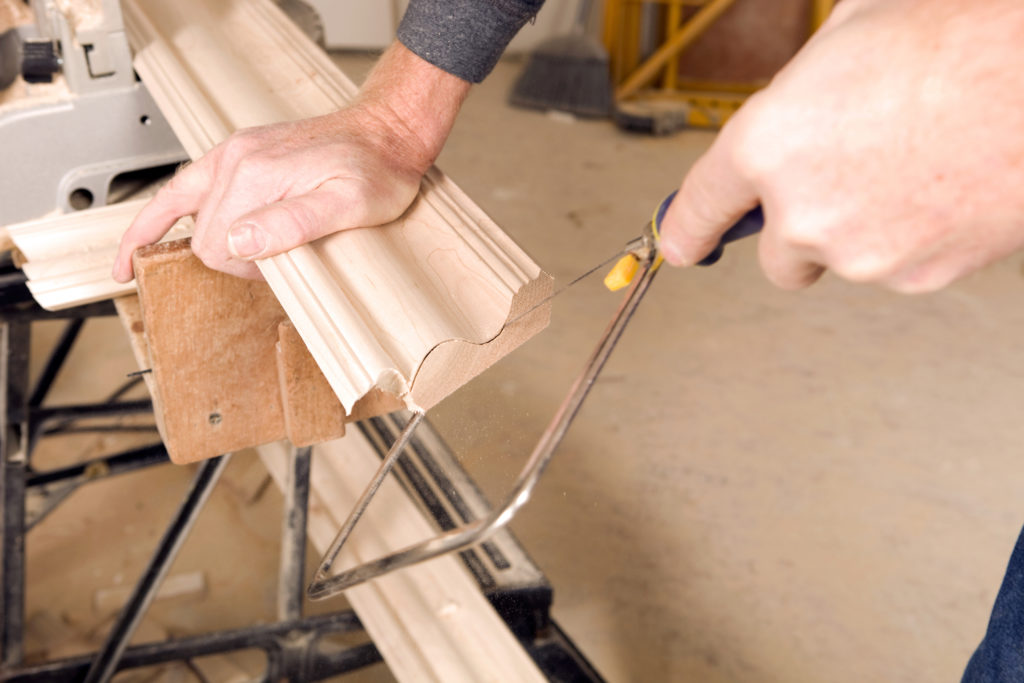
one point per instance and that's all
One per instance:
(889, 150)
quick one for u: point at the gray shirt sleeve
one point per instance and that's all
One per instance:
(464, 37)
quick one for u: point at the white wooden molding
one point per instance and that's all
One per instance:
(68, 258)
(431, 622)
(223, 376)
(415, 308)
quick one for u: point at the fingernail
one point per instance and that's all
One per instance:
(246, 241)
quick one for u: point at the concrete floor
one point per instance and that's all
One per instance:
(764, 486)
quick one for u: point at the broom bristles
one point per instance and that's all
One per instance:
(569, 73)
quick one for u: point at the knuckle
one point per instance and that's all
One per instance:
(252, 167)
(237, 147)
(863, 253)
(790, 274)
(780, 279)
(865, 266)
(922, 280)
(186, 188)
(901, 287)
(758, 150)
(801, 232)
(177, 186)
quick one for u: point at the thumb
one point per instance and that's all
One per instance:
(713, 196)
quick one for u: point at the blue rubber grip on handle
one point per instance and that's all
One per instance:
(751, 223)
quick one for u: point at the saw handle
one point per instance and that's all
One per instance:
(751, 223)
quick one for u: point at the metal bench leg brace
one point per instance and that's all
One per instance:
(107, 659)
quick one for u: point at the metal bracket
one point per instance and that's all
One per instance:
(68, 141)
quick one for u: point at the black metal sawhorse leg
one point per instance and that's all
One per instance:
(107, 659)
(14, 350)
(291, 587)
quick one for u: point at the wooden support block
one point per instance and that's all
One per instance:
(130, 313)
(213, 371)
(312, 413)
(228, 370)
(211, 341)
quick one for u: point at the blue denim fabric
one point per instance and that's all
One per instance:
(1000, 657)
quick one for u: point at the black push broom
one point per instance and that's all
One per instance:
(567, 73)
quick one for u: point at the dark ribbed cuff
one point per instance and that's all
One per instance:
(464, 37)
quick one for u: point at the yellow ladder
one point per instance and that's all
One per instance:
(652, 84)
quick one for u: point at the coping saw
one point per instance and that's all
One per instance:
(641, 257)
